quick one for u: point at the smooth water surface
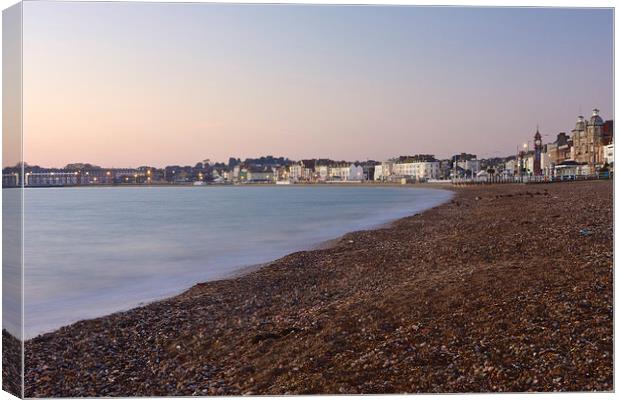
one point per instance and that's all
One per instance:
(93, 251)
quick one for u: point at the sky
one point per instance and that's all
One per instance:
(130, 84)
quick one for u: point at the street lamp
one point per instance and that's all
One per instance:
(454, 169)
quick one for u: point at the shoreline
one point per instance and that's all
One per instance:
(256, 184)
(241, 270)
(384, 287)
(323, 245)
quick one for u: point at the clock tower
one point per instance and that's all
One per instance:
(537, 153)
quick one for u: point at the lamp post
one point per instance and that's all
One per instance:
(454, 169)
(523, 158)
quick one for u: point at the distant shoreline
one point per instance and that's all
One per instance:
(187, 185)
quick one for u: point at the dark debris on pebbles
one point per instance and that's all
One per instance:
(495, 291)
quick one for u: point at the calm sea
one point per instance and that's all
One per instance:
(93, 251)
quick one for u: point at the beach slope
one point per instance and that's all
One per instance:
(506, 288)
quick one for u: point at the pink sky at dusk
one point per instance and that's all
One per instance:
(130, 84)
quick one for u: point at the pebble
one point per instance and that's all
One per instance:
(417, 307)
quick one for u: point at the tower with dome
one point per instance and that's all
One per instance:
(588, 140)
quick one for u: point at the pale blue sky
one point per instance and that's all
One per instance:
(161, 83)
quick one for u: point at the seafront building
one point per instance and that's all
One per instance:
(558, 151)
(73, 175)
(417, 170)
(260, 175)
(471, 165)
(609, 155)
(589, 139)
(296, 172)
(588, 150)
(510, 168)
(413, 168)
(346, 173)
(383, 171)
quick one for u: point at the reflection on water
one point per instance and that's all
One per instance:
(93, 251)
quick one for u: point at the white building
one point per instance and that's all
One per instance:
(299, 172)
(338, 173)
(528, 163)
(545, 163)
(346, 173)
(608, 153)
(306, 173)
(378, 176)
(571, 169)
(417, 170)
(323, 172)
(383, 171)
(255, 175)
(470, 165)
(356, 173)
(510, 167)
(295, 172)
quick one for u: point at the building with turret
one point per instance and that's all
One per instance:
(589, 138)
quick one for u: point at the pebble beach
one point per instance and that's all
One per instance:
(506, 288)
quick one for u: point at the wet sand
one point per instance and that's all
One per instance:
(506, 288)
